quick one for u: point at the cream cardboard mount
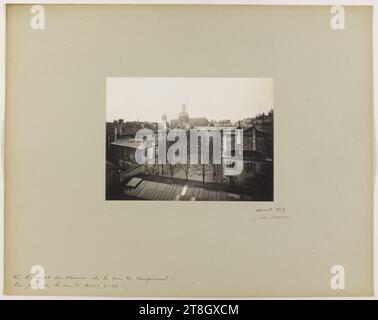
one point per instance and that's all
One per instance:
(313, 237)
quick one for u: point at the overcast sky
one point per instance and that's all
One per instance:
(145, 99)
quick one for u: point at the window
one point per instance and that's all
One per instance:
(230, 164)
(250, 166)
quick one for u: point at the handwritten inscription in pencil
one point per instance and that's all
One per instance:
(272, 213)
(107, 281)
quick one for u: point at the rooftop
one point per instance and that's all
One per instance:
(265, 130)
(215, 128)
(151, 190)
(127, 142)
(255, 155)
(250, 155)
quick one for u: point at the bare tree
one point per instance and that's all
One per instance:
(186, 168)
(217, 172)
(203, 170)
(172, 169)
(151, 169)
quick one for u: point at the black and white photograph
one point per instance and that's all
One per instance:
(189, 139)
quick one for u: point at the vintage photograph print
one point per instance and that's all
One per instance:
(189, 139)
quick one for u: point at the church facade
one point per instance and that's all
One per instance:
(184, 121)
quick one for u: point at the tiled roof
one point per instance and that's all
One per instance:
(150, 190)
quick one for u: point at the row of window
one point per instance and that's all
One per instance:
(250, 167)
(263, 169)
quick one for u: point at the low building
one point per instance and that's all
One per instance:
(122, 152)
(112, 179)
(255, 164)
(258, 140)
